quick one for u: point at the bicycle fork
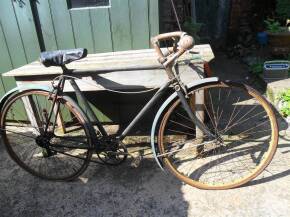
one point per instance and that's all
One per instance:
(192, 116)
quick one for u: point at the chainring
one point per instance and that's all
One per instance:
(113, 156)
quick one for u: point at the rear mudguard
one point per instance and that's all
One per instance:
(47, 89)
(23, 88)
(163, 108)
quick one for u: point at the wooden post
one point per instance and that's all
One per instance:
(196, 103)
(32, 113)
(59, 121)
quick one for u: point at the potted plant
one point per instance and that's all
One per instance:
(279, 35)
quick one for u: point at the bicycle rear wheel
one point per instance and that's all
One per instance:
(63, 152)
(246, 137)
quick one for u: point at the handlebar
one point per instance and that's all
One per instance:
(186, 42)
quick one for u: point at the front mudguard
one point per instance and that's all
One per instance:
(23, 88)
(163, 108)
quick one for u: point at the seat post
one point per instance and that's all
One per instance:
(65, 70)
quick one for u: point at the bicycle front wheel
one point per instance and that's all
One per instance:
(245, 136)
(62, 152)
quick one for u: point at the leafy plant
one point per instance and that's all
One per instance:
(283, 9)
(257, 68)
(285, 102)
(192, 28)
(273, 26)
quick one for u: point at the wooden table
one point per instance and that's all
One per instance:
(126, 70)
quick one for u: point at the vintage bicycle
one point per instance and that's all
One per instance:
(222, 143)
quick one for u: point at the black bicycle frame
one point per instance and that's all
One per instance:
(161, 92)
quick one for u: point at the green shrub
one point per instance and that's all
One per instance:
(273, 26)
(285, 101)
(283, 9)
(257, 68)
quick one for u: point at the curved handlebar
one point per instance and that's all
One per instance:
(185, 43)
(168, 35)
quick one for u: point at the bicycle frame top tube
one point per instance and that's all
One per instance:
(92, 116)
(177, 85)
(162, 90)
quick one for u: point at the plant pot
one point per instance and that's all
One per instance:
(279, 43)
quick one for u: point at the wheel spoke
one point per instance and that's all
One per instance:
(66, 155)
(243, 145)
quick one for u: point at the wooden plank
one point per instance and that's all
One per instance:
(115, 61)
(154, 17)
(6, 83)
(33, 113)
(5, 61)
(2, 88)
(46, 23)
(82, 29)
(100, 115)
(125, 80)
(17, 112)
(27, 29)
(138, 79)
(120, 21)
(100, 19)
(62, 24)
(12, 34)
(139, 24)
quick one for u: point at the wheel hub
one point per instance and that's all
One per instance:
(43, 141)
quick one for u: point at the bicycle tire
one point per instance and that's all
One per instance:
(232, 157)
(19, 134)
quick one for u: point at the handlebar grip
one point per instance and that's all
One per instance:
(162, 37)
(186, 42)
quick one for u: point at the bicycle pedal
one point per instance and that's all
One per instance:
(135, 163)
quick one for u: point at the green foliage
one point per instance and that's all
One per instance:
(192, 28)
(273, 26)
(285, 99)
(257, 68)
(283, 9)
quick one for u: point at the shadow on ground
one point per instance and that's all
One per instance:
(101, 191)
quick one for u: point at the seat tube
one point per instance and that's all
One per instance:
(89, 110)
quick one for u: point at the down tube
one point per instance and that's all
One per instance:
(163, 89)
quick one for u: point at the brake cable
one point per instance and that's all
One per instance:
(175, 14)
